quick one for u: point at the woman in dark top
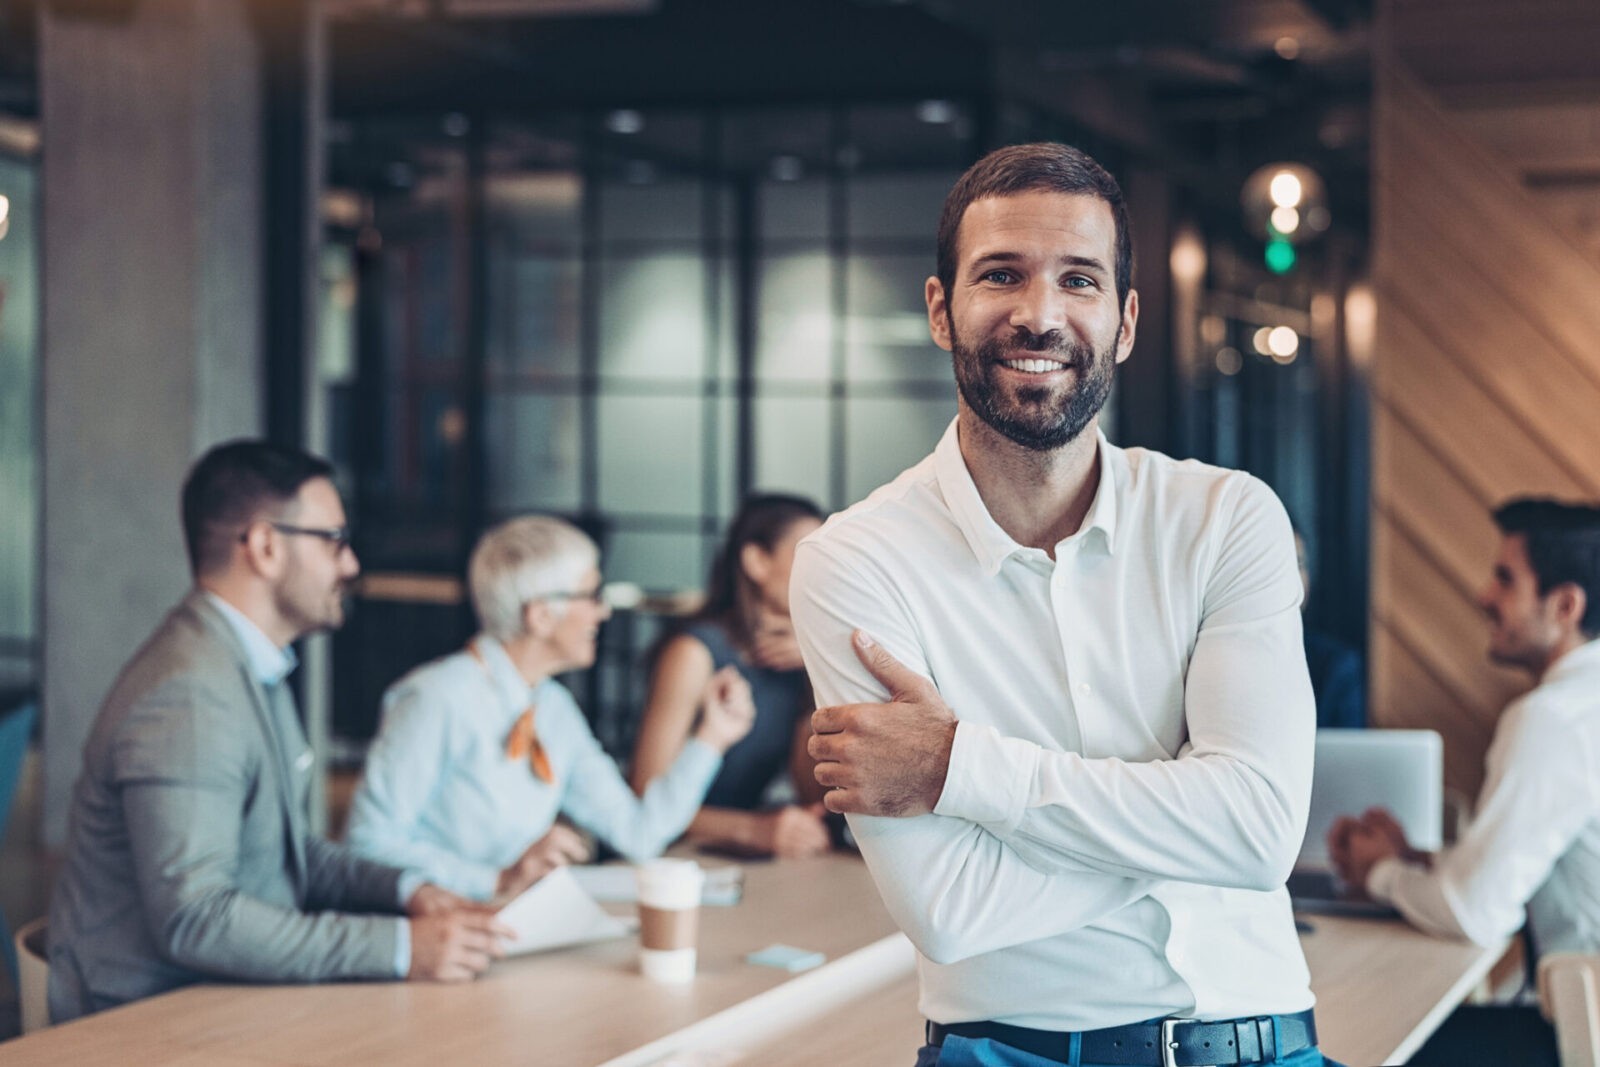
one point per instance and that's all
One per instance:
(744, 622)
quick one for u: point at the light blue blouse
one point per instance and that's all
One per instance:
(441, 795)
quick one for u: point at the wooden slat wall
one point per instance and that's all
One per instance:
(1486, 385)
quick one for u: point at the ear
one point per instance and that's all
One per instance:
(756, 562)
(938, 313)
(1568, 602)
(262, 549)
(1130, 322)
(538, 618)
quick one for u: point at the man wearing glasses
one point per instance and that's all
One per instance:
(480, 751)
(189, 855)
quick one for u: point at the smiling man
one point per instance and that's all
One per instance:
(1532, 850)
(189, 855)
(1067, 709)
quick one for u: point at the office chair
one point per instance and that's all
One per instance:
(16, 726)
(1569, 996)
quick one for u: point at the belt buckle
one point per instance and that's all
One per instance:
(1169, 1044)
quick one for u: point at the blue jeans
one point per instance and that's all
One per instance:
(965, 1052)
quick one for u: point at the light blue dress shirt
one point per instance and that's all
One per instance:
(271, 665)
(441, 794)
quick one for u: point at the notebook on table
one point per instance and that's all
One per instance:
(1401, 770)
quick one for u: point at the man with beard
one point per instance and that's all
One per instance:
(1532, 850)
(1061, 689)
(188, 855)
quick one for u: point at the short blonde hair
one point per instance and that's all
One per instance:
(522, 560)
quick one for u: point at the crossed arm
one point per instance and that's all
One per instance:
(1228, 811)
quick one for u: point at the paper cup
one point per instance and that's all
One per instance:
(669, 918)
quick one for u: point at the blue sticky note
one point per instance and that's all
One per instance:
(786, 958)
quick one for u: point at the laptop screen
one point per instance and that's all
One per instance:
(1402, 770)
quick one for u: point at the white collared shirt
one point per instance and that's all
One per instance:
(1131, 772)
(1534, 842)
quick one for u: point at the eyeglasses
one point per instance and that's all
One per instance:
(337, 536)
(598, 597)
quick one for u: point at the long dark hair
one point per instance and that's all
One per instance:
(762, 520)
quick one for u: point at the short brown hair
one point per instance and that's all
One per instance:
(1022, 168)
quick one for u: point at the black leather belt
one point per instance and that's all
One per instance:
(1163, 1043)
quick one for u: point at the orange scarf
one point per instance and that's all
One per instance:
(522, 742)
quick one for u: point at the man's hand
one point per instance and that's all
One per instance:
(1380, 821)
(727, 710)
(1355, 848)
(884, 759)
(430, 899)
(791, 832)
(773, 644)
(455, 946)
(561, 846)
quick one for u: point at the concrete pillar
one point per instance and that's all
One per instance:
(152, 321)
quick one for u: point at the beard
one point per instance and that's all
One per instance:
(1040, 418)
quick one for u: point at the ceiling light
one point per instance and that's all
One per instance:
(1229, 361)
(1283, 343)
(1187, 260)
(1285, 189)
(936, 112)
(1260, 341)
(1279, 202)
(1286, 47)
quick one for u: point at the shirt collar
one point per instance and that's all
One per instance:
(991, 544)
(1586, 657)
(502, 672)
(268, 663)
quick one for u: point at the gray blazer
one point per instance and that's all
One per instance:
(188, 856)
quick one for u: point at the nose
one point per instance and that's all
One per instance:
(349, 565)
(1040, 306)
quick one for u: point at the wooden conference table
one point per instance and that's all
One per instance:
(1381, 989)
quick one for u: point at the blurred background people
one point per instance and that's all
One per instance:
(744, 626)
(480, 751)
(190, 856)
(1532, 850)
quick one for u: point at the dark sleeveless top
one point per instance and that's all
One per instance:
(763, 754)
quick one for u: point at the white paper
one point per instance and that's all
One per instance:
(555, 912)
(616, 884)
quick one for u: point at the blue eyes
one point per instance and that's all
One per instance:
(1006, 277)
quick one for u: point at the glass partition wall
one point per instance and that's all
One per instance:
(632, 319)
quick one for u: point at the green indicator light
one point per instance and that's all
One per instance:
(1280, 256)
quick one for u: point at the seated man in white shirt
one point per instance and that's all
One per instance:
(480, 751)
(1090, 861)
(1533, 848)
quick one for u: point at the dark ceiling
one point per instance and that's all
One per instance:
(1206, 89)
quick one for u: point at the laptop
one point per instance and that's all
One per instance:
(1402, 770)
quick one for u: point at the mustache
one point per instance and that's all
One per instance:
(1052, 343)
